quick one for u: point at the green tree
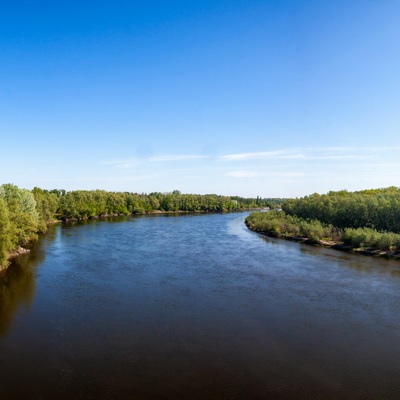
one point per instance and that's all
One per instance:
(46, 206)
(24, 219)
(5, 233)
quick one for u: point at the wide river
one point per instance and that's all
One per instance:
(195, 307)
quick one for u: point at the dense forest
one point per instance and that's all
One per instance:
(363, 219)
(24, 213)
(377, 209)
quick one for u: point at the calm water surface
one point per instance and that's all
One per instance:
(195, 307)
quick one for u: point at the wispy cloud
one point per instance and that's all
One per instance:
(244, 174)
(360, 148)
(313, 153)
(259, 174)
(335, 152)
(392, 165)
(133, 162)
(278, 154)
(121, 179)
(123, 164)
(176, 157)
(340, 157)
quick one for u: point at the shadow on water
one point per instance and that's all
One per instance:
(18, 283)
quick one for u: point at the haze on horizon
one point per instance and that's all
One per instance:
(256, 97)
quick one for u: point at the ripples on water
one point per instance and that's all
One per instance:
(195, 307)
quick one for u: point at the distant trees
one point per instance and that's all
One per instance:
(88, 204)
(273, 203)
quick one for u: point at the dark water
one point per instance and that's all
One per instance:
(196, 307)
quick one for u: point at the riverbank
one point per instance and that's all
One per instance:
(158, 212)
(18, 252)
(13, 254)
(333, 244)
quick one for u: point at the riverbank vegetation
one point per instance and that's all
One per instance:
(364, 220)
(281, 225)
(378, 209)
(24, 213)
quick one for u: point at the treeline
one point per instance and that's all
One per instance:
(363, 219)
(274, 202)
(82, 204)
(24, 213)
(377, 209)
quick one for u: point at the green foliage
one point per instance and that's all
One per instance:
(280, 224)
(272, 203)
(24, 219)
(23, 214)
(5, 233)
(365, 219)
(46, 207)
(87, 204)
(367, 237)
(378, 209)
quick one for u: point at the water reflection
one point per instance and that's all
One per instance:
(18, 283)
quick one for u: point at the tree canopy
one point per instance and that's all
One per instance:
(377, 209)
(367, 218)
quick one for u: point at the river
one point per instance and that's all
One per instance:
(195, 307)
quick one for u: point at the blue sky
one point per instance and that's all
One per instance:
(270, 98)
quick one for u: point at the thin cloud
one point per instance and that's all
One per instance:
(124, 179)
(312, 153)
(244, 174)
(132, 162)
(123, 164)
(393, 165)
(259, 174)
(176, 157)
(279, 154)
(361, 148)
(341, 157)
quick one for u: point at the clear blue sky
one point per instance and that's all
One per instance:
(270, 98)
